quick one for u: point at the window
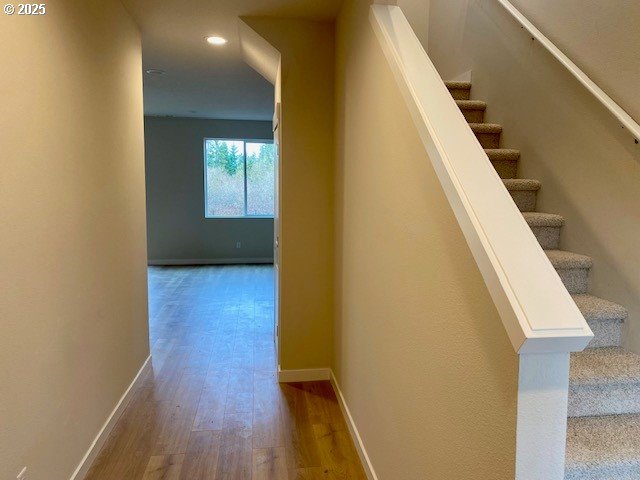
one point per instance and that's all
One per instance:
(239, 178)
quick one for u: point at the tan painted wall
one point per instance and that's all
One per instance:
(422, 358)
(306, 187)
(589, 167)
(601, 37)
(73, 301)
(417, 13)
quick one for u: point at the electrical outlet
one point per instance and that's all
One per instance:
(22, 475)
(238, 245)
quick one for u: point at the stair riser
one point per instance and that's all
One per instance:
(506, 168)
(525, 199)
(489, 140)
(576, 280)
(460, 93)
(548, 237)
(606, 333)
(586, 401)
(473, 116)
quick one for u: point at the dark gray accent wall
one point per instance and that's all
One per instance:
(177, 231)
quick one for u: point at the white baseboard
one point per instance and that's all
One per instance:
(305, 375)
(103, 434)
(317, 374)
(284, 376)
(362, 452)
(166, 262)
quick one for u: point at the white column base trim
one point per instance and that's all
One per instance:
(207, 261)
(304, 375)
(103, 434)
(355, 435)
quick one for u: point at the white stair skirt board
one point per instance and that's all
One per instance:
(207, 261)
(103, 434)
(353, 430)
(303, 375)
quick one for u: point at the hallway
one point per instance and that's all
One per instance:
(212, 408)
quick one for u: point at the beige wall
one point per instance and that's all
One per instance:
(588, 165)
(73, 301)
(417, 13)
(422, 358)
(601, 37)
(177, 227)
(306, 187)
(446, 33)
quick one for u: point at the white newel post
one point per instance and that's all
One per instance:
(542, 416)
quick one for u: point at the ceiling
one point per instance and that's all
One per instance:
(201, 80)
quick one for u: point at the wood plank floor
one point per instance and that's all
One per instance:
(211, 407)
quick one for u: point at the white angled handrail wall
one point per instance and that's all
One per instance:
(616, 110)
(536, 310)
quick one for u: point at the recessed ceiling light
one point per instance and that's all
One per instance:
(154, 71)
(215, 40)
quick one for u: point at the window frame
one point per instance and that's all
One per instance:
(244, 155)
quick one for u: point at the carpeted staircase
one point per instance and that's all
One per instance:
(603, 433)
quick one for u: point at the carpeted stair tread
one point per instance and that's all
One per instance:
(458, 85)
(504, 161)
(459, 90)
(538, 219)
(594, 308)
(562, 259)
(522, 184)
(604, 366)
(604, 381)
(485, 127)
(472, 110)
(495, 154)
(471, 104)
(605, 318)
(546, 228)
(603, 448)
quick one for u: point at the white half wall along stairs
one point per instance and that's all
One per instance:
(578, 413)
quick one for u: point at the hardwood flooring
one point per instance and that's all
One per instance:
(211, 408)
